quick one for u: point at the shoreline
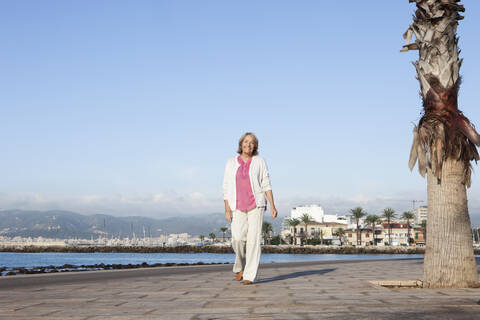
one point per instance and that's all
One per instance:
(216, 249)
(4, 271)
(285, 249)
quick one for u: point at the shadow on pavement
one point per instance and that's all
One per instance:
(295, 275)
(477, 260)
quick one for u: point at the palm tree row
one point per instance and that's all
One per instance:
(294, 222)
(389, 214)
(306, 219)
(340, 233)
(212, 236)
(372, 219)
(358, 213)
(408, 216)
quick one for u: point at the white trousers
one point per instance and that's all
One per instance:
(246, 240)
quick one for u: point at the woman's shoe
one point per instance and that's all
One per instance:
(239, 276)
(247, 282)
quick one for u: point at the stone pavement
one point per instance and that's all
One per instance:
(299, 290)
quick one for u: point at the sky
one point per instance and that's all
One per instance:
(133, 107)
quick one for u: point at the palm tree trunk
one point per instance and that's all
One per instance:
(373, 235)
(389, 233)
(444, 145)
(359, 235)
(408, 232)
(449, 260)
(306, 234)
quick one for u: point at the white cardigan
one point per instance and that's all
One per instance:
(259, 180)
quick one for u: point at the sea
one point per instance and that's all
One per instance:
(30, 260)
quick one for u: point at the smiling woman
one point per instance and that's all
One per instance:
(246, 185)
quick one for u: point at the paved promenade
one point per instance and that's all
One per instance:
(302, 290)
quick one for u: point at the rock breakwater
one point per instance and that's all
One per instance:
(287, 249)
(101, 266)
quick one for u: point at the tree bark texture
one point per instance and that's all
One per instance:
(443, 145)
(449, 261)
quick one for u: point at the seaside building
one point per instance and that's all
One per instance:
(326, 232)
(316, 212)
(352, 222)
(420, 214)
(419, 236)
(366, 235)
(323, 227)
(285, 225)
(400, 234)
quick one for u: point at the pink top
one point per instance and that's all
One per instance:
(245, 197)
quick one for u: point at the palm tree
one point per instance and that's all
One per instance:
(443, 145)
(407, 215)
(293, 222)
(224, 230)
(212, 236)
(373, 219)
(424, 230)
(202, 237)
(306, 219)
(266, 229)
(358, 213)
(389, 214)
(340, 233)
(321, 236)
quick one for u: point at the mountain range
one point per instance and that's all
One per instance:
(65, 224)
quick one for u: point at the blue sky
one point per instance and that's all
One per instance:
(133, 107)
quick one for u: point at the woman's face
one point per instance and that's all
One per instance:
(248, 145)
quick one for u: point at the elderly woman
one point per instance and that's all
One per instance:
(246, 186)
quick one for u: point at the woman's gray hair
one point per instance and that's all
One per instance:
(255, 142)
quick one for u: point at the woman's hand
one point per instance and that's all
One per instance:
(269, 195)
(274, 212)
(228, 215)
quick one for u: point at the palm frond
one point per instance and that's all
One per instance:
(443, 131)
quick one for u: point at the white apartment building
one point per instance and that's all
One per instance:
(420, 214)
(324, 224)
(316, 212)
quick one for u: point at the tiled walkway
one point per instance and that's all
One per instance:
(306, 290)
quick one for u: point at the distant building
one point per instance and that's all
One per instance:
(323, 226)
(420, 214)
(418, 236)
(366, 234)
(316, 212)
(285, 225)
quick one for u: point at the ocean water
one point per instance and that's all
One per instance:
(29, 260)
